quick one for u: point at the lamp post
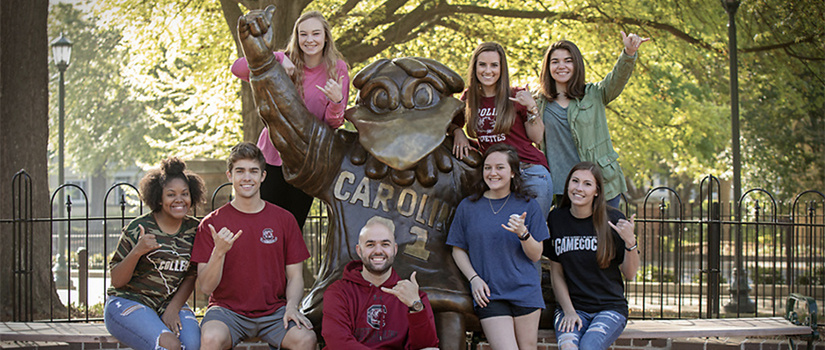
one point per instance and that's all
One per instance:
(730, 7)
(61, 53)
(739, 287)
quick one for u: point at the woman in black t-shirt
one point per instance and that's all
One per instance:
(590, 247)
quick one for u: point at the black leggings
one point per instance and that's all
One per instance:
(277, 191)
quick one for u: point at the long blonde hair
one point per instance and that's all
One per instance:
(505, 110)
(330, 54)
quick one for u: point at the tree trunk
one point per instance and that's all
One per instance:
(24, 136)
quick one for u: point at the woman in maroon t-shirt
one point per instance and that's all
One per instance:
(497, 113)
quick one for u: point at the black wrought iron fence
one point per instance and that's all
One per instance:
(692, 250)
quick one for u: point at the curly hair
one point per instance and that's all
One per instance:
(152, 184)
(478, 186)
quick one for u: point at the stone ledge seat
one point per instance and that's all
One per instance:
(800, 320)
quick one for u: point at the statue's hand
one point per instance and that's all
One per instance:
(257, 35)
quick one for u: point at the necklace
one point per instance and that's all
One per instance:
(502, 206)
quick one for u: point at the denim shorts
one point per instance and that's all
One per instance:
(140, 327)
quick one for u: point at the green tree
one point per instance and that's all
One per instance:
(784, 105)
(105, 125)
(672, 119)
(180, 66)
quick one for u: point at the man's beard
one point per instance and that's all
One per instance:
(372, 269)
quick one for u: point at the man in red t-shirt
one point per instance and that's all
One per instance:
(371, 307)
(250, 254)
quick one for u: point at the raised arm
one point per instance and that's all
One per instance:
(534, 126)
(632, 43)
(529, 245)
(337, 93)
(615, 81)
(211, 272)
(122, 271)
(291, 126)
(626, 230)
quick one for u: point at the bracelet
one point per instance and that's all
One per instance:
(525, 236)
(532, 117)
(635, 245)
(471, 278)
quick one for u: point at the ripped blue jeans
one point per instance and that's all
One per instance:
(599, 330)
(140, 327)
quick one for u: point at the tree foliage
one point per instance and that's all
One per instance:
(105, 125)
(672, 119)
(179, 68)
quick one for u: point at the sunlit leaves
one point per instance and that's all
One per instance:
(672, 120)
(105, 124)
(182, 52)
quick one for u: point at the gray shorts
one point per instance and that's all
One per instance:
(269, 328)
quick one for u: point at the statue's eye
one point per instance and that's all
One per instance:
(381, 99)
(423, 96)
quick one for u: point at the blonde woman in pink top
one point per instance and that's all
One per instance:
(321, 75)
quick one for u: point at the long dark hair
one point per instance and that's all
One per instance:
(606, 247)
(505, 110)
(478, 187)
(575, 86)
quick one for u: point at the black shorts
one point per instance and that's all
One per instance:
(502, 308)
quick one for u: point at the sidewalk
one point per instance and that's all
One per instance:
(96, 289)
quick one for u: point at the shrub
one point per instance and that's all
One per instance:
(652, 273)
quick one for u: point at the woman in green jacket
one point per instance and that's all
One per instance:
(575, 123)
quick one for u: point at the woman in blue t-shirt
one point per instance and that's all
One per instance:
(590, 247)
(496, 236)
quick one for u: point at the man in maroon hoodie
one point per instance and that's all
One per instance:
(371, 307)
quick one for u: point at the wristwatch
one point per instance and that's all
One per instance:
(525, 236)
(417, 306)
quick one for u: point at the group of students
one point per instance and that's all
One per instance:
(556, 144)
(591, 245)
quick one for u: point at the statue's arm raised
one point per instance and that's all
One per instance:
(290, 124)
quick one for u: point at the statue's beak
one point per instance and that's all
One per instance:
(403, 136)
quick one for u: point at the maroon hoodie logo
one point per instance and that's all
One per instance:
(376, 315)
